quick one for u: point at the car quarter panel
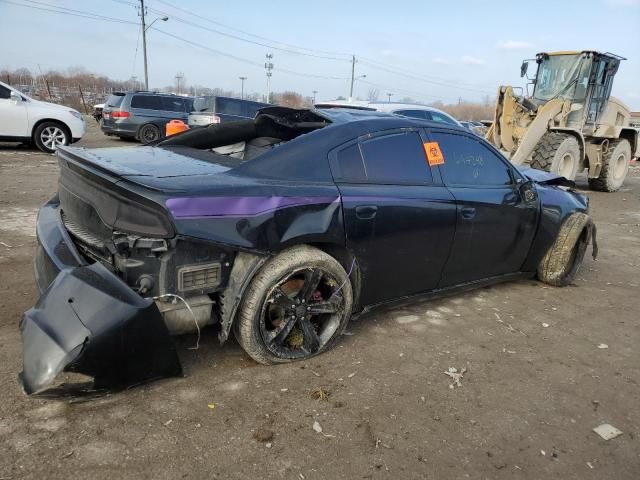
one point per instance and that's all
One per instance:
(262, 219)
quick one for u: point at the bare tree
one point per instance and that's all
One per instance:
(372, 95)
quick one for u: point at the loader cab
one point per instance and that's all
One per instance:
(580, 77)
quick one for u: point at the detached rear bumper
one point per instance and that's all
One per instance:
(89, 321)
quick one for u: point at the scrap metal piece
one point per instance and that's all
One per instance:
(607, 431)
(456, 376)
(88, 321)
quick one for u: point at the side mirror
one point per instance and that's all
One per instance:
(523, 68)
(528, 192)
(15, 97)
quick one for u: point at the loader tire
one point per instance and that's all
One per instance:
(615, 165)
(557, 153)
(561, 262)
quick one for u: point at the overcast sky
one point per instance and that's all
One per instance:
(444, 50)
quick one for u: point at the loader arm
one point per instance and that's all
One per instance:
(536, 129)
(516, 128)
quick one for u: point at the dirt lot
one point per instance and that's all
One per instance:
(536, 384)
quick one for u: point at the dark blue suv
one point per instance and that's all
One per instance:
(143, 115)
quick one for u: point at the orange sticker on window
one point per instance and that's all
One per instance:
(434, 155)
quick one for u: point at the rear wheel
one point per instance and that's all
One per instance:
(557, 153)
(560, 265)
(296, 307)
(48, 136)
(149, 133)
(615, 165)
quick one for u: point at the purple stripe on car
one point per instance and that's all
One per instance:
(238, 206)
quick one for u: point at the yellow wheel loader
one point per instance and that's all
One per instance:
(570, 123)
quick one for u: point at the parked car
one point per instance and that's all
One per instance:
(218, 109)
(47, 125)
(279, 229)
(415, 111)
(412, 110)
(143, 115)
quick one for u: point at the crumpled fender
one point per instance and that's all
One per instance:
(89, 321)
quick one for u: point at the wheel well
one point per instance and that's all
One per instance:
(349, 263)
(631, 135)
(67, 130)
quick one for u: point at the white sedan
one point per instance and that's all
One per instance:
(24, 119)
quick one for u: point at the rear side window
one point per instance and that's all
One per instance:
(468, 162)
(4, 92)
(350, 166)
(387, 160)
(114, 100)
(149, 102)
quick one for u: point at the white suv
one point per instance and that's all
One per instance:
(24, 119)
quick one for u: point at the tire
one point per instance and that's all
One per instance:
(557, 153)
(561, 262)
(615, 165)
(48, 136)
(273, 324)
(149, 133)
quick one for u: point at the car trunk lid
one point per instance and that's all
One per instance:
(142, 164)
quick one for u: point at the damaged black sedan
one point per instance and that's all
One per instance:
(278, 229)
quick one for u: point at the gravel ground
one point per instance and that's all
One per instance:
(536, 384)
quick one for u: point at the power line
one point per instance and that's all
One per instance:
(253, 42)
(400, 90)
(442, 83)
(68, 11)
(289, 46)
(243, 60)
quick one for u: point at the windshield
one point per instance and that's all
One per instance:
(558, 76)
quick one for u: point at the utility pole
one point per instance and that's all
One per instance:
(179, 82)
(353, 74)
(268, 67)
(242, 79)
(314, 96)
(389, 95)
(144, 45)
(144, 40)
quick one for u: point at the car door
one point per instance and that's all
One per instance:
(495, 225)
(14, 118)
(399, 220)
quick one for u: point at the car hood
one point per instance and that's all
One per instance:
(546, 178)
(52, 106)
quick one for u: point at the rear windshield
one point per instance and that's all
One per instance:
(115, 100)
